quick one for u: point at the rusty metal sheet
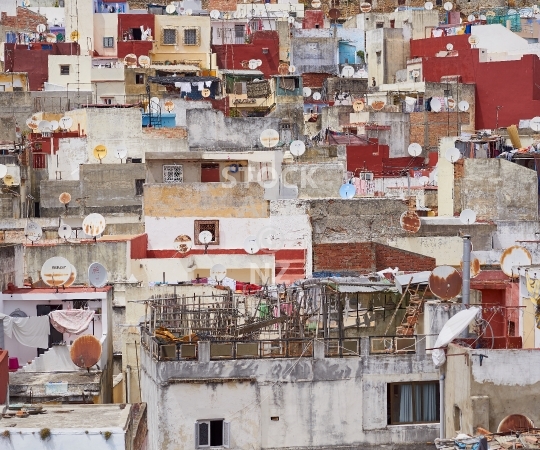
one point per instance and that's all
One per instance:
(445, 282)
(410, 221)
(514, 256)
(475, 266)
(183, 243)
(85, 351)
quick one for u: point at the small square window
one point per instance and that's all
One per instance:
(239, 31)
(378, 57)
(212, 433)
(64, 70)
(191, 36)
(169, 36)
(379, 25)
(207, 225)
(139, 78)
(108, 42)
(107, 100)
(139, 187)
(173, 173)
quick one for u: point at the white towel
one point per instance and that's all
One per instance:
(208, 84)
(75, 321)
(29, 331)
(200, 85)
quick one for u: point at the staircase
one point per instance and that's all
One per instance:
(55, 359)
(412, 313)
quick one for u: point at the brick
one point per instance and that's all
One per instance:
(25, 20)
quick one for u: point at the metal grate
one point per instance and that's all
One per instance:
(173, 174)
(168, 36)
(192, 36)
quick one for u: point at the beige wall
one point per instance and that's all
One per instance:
(11, 80)
(79, 72)
(105, 25)
(80, 17)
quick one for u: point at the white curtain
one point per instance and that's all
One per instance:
(429, 402)
(405, 403)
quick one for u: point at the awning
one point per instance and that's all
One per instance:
(176, 68)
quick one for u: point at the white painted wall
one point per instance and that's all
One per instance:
(80, 17)
(446, 179)
(79, 72)
(64, 439)
(71, 153)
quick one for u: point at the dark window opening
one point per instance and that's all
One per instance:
(212, 433)
(139, 187)
(139, 78)
(511, 328)
(401, 2)
(317, 25)
(216, 433)
(64, 70)
(416, 402)
(55, 337)
(136, 160)
(393, 23)
(379, 25)
(239, 31)
(136, 33)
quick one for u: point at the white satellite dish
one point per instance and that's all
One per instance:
(316, 96)
(471, 18)
(44, 126)
(189, 12)
(316, 4)
(3, 170)
(449, 47)
(347, 71)
(514, 256)
(252, 64)
(452, 155)
(534, 124)
(120, 153)
(435, 104)
(94, 224)
(347, 191)
(259, 62)
(292, 69)
(205, 237)
(306, 91)
(473, 40)
(65, 123)
(463, 105)
(269, 138)
(448, 6)
(215, 14)
(144, 61)
(56, 271)
(251, 245)
(72, 277)
(41, 28)
(170, 9)
(97, 275)
(483, 17)
(428, 6)
(64, 231)
(297, 148)
(218, 272)
(467, 217)
(414, 149)
(32, 231)
(54, 125)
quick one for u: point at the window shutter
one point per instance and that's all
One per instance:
(203, 434)
(226, 434)
(196, 434)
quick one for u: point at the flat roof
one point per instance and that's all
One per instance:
(60, 290)
(74, 416)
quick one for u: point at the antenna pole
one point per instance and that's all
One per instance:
(466, 287)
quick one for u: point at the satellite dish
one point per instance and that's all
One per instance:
(424, 180)
(334, 13)
(514, 256)
(183, 243)
(467, 217)
(452, 155)
(94, 224)
(463, 105)
(170, 9)
(415, 74)
(215, 14)
(347, 191)
(484, 17)
(365, 7)
(64, 232)
(449, 47)
(65, 123)
(283, 69)
(473, 40)
(205, 237)
(44, 126)
(56, 271)
(292, 69)
(252, 64)
(120, 153)
(428, 6)
(448, 6)
(435, 104)
(100, 151)
(205, 93)
(64, 198)
(251, 245)
(85, 351)
(410, 221)
(144, 61)
(130, 60)
(316, 96)
(32, 231)
(475, 266)
(450, 102)
(169, 105)
(534, 124)
(316, 4)
(72, 277)
(189, 12)
(269, 138)
(259, 62)
(471, 18)
(297, 148)
(3, 170)
(358, 105)
(306, 91)
(32, 123)
(54, 125)
(74, 36)
(414, 149)
(347, 71)
(378, 105)
(8, 180)
(218, 272)
(445, 282)
(50, 37)
(97, 275)
(41, 28)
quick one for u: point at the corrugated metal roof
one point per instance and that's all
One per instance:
(245, 72)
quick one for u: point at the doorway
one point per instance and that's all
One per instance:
(55, 337)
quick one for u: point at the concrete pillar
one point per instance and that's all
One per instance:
(318, 349)
(204, 351)
(364, 346)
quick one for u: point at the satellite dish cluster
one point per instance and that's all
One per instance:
(59, 272)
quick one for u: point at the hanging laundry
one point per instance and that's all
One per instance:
(74, 321)
(184, 87)
(200, 85)
(208, 84)
(229, 282)
(437, 33)
(29, 331)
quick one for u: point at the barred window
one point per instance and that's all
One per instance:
(168, 36)
(173, 174)
(192, 36)
(239, 31)
(108, 42)
(207, 225)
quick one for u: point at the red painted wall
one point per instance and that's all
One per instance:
(313, 17)
(33, 60)
(138, 246)
(511, 84)
(4, 375)
(230, 56)
(125, 23)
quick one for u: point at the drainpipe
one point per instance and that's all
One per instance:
(441, 400)
(128, 379)
(466, 287)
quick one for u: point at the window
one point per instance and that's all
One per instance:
(379, 25)
(108, 42)
(239, 31)
(207, 225)
(192, 36)
(64, 70)
(139, 78)
(168, 36)
(107, 100)
(139, 187)
(378, 57)
(173, 174)
(212, 433)
(2, 87)
(413, 402)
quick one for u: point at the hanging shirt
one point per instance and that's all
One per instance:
(29, 331)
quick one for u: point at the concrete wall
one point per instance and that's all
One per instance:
(387, 53)
(315, 180)
(314, 50)
(320, 403)
(11, 265)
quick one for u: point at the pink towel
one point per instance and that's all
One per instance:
(74, 321)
